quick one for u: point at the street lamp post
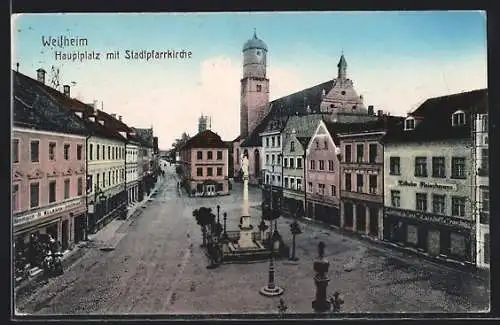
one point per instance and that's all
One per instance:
(271, 290)
(225, 232)
(218, 211)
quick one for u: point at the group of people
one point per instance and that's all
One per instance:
(35, 252)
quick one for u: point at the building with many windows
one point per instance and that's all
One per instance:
(204, 161)
(105, 165)
(296, 135)
(272, 164)
(428, 177)
(48, 170)
(322, 174)
(362, 176)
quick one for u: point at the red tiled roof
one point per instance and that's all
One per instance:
(205, 139)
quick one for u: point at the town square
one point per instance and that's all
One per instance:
(252, 174)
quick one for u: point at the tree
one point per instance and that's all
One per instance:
(295, 230)
(204, 218)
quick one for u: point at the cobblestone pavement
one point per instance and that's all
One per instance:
(157, 267)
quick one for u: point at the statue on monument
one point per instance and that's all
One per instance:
(244, 164)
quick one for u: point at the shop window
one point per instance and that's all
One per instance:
(412, 234)
(434, 242)
(457, 244)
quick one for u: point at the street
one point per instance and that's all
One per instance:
(153, 264)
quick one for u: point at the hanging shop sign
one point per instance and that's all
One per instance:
(46, 212)
(428, 185)
(431, 218)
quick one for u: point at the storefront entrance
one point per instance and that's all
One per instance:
(65, 235)
(210, 190)
(374, 222)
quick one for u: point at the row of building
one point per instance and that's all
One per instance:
(74, 166)
(420, 181)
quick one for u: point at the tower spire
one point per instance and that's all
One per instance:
(255, 33)
(342, 67)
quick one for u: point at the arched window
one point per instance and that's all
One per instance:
(409, 123)
(458, 118)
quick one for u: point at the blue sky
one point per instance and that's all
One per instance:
(396, 59)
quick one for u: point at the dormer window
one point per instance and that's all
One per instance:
(409, 123)
(458, 118)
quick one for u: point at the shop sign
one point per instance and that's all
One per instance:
(426, 185)
(47, 212)
(431, 218)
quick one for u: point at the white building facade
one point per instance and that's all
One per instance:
(132, 172)
(481, 189)
(272, 162)
(105, 179)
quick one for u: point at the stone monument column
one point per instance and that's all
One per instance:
(245, 240)
(321, 266)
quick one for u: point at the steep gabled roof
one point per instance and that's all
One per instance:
(33, 108)
(71, 105)
(434, 118)
(304, 141)
(304, 125)
(205, 139)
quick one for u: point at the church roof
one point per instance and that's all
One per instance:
(205, 139)
(299, 103)
(435, 115)
(254, 43)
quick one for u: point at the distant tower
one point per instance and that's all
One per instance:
(254, 85)
(202, 123)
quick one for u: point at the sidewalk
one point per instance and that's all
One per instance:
(105, 235)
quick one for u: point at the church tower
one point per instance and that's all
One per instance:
(254, 98)
(342, 68)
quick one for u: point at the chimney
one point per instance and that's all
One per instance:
(66, 90)
(113, 115)
(380, 113)
(370, 110)
(120, 118)
(40, 75)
